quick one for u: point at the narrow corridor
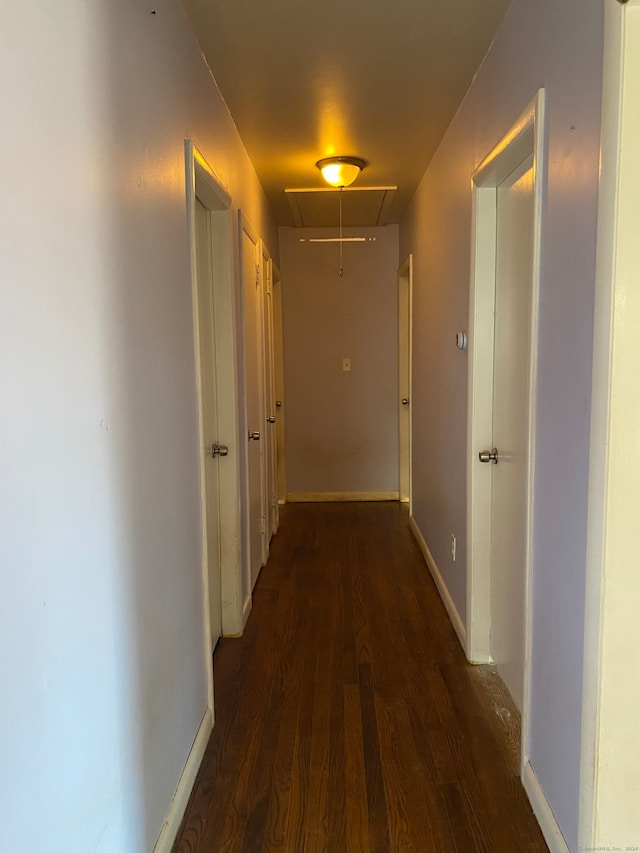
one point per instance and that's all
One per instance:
(347, 719)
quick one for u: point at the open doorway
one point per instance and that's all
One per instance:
(253, 315)
(507, 188)
(210, 228)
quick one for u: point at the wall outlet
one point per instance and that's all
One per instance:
(453, 547)
(346, 365)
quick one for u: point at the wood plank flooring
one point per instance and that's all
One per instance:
(347, 719)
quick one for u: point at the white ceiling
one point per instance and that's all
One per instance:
(377, 79)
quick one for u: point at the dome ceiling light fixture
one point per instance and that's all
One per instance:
(341, 172)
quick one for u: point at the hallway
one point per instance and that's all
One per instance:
(346, 717)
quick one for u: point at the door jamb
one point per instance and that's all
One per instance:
(526, 136)
(201, 182)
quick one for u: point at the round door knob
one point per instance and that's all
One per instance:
(254, 436)
(271, 419)
(489, 455)
(404, 401)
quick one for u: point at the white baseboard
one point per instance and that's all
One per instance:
(445, 595)
(338, 497)
(246, 610)
(542, 810)
(178, 806)
(480, 660)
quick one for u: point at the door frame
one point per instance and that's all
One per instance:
(266, 292)
(244, 226)
(202, 182)
(206, 375)
(611, 688)
(405, 274)
(278, 355)
(524, 137)
(271, 455)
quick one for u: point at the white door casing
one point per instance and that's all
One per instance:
(523, 139)
(405, 303)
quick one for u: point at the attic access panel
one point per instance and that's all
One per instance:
(319, 208)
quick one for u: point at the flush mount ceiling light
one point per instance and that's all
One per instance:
(341, 172)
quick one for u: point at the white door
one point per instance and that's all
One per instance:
(207, 358)
(254, 377)
(404, 379)
(278, 356)
(270, 398)
(511, 384)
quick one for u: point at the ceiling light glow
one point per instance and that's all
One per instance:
(341, 172)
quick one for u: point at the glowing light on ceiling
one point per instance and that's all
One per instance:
(341, 172)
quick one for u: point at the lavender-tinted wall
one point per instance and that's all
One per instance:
(556, 44)
(102, 658)
(342, 427)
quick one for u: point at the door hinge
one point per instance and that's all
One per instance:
(257, 275)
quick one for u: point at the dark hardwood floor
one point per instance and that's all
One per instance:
(347, 720)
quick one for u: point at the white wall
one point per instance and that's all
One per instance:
(342, 428)
(557, 45)
(101, 636)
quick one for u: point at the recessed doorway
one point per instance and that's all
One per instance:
(507, 190)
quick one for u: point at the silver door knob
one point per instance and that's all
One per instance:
(489, 455)
(271, 419)
(219, 450)
(404, 401)
(254, 436)
(278, 404)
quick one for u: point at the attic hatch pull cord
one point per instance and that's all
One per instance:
(341, 267)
